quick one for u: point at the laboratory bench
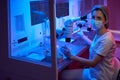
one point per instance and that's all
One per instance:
(80, 49)
(77, 47)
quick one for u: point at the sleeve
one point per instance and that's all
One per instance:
(104, 47)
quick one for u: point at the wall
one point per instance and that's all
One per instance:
(86, 5)
(114, 15)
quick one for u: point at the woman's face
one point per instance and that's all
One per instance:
(98, 15)
(99, 19)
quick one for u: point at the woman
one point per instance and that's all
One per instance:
(101, 59)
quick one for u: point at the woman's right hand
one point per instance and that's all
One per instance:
(66, 51)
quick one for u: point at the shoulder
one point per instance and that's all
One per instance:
(108, 39)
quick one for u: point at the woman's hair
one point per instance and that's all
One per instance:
(104, 10)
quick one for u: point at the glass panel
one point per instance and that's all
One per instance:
(30, 31)
(65, 10)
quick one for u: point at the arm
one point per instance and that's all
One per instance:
(87, 40)
(87, 62)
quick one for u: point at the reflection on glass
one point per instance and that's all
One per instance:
(30, 30)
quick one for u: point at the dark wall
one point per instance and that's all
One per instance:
(114, 15)
(3, 25)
